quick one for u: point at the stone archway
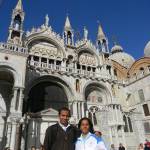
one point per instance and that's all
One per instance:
(48, 91)
(6, 93)
(97, 97)
(45, 96)
(6, 88)
(96, 93)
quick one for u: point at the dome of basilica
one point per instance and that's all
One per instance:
(147, 50)
(116, 48)
(121, 57)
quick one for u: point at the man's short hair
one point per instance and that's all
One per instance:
(64, 109)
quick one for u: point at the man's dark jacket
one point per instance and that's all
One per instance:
(121, 148)
(58, 139)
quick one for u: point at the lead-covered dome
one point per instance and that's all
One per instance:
(147, 50)
(116, 48)
(121, 57)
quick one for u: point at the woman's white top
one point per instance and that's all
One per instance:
(90, 142)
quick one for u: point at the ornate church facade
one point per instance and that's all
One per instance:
(41, 71)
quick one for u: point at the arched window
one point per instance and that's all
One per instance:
(149, 67)
(99, 45)
(77, 85)
(146, 110)
(109, 69)
(17, 22)
(142, 70)
(115, 72)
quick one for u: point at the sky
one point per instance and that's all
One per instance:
(126, 20)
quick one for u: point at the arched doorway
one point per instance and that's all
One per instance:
(46, 96)
(6, 93)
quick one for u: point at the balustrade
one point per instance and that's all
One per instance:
(71, 70)
(12, 47)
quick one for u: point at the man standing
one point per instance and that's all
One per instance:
(121, 147)
(62, 135)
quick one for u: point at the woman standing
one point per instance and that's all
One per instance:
(88, 140)
(141, 146)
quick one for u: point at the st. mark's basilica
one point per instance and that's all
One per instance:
(41, 71)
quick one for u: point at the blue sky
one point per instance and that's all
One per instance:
(128, 20)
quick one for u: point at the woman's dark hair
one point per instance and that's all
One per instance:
(90, 124)
(64, 109)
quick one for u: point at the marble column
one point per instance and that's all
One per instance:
(13, 136)
(13, 101)
(47, 62)
(8, 134)
(83, 111)
(54, 64)
(116, 135)
(79, 110)
(22, 146)
(116, 111)
(63, 65)
(75, 67)
(110, 136)
(75, 111)
(32, 60)
(123, 136)
(112, 71)
(92, 118)
(40, 61)
(20, 100)
(113, 115)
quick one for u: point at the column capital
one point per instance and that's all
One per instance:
(18, 87)
(14, 117)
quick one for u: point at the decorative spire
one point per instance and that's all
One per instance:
(19, 5)
(100, 34)
(67, 24)
(46, 20)
(102, 41)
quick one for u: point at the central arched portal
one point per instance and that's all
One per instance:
(47, 94)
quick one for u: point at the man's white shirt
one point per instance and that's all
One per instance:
(90, 142)
(64, 127)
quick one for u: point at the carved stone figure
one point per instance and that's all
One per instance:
(46, 20)
(85, 33)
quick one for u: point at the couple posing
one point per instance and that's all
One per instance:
(64, 136)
